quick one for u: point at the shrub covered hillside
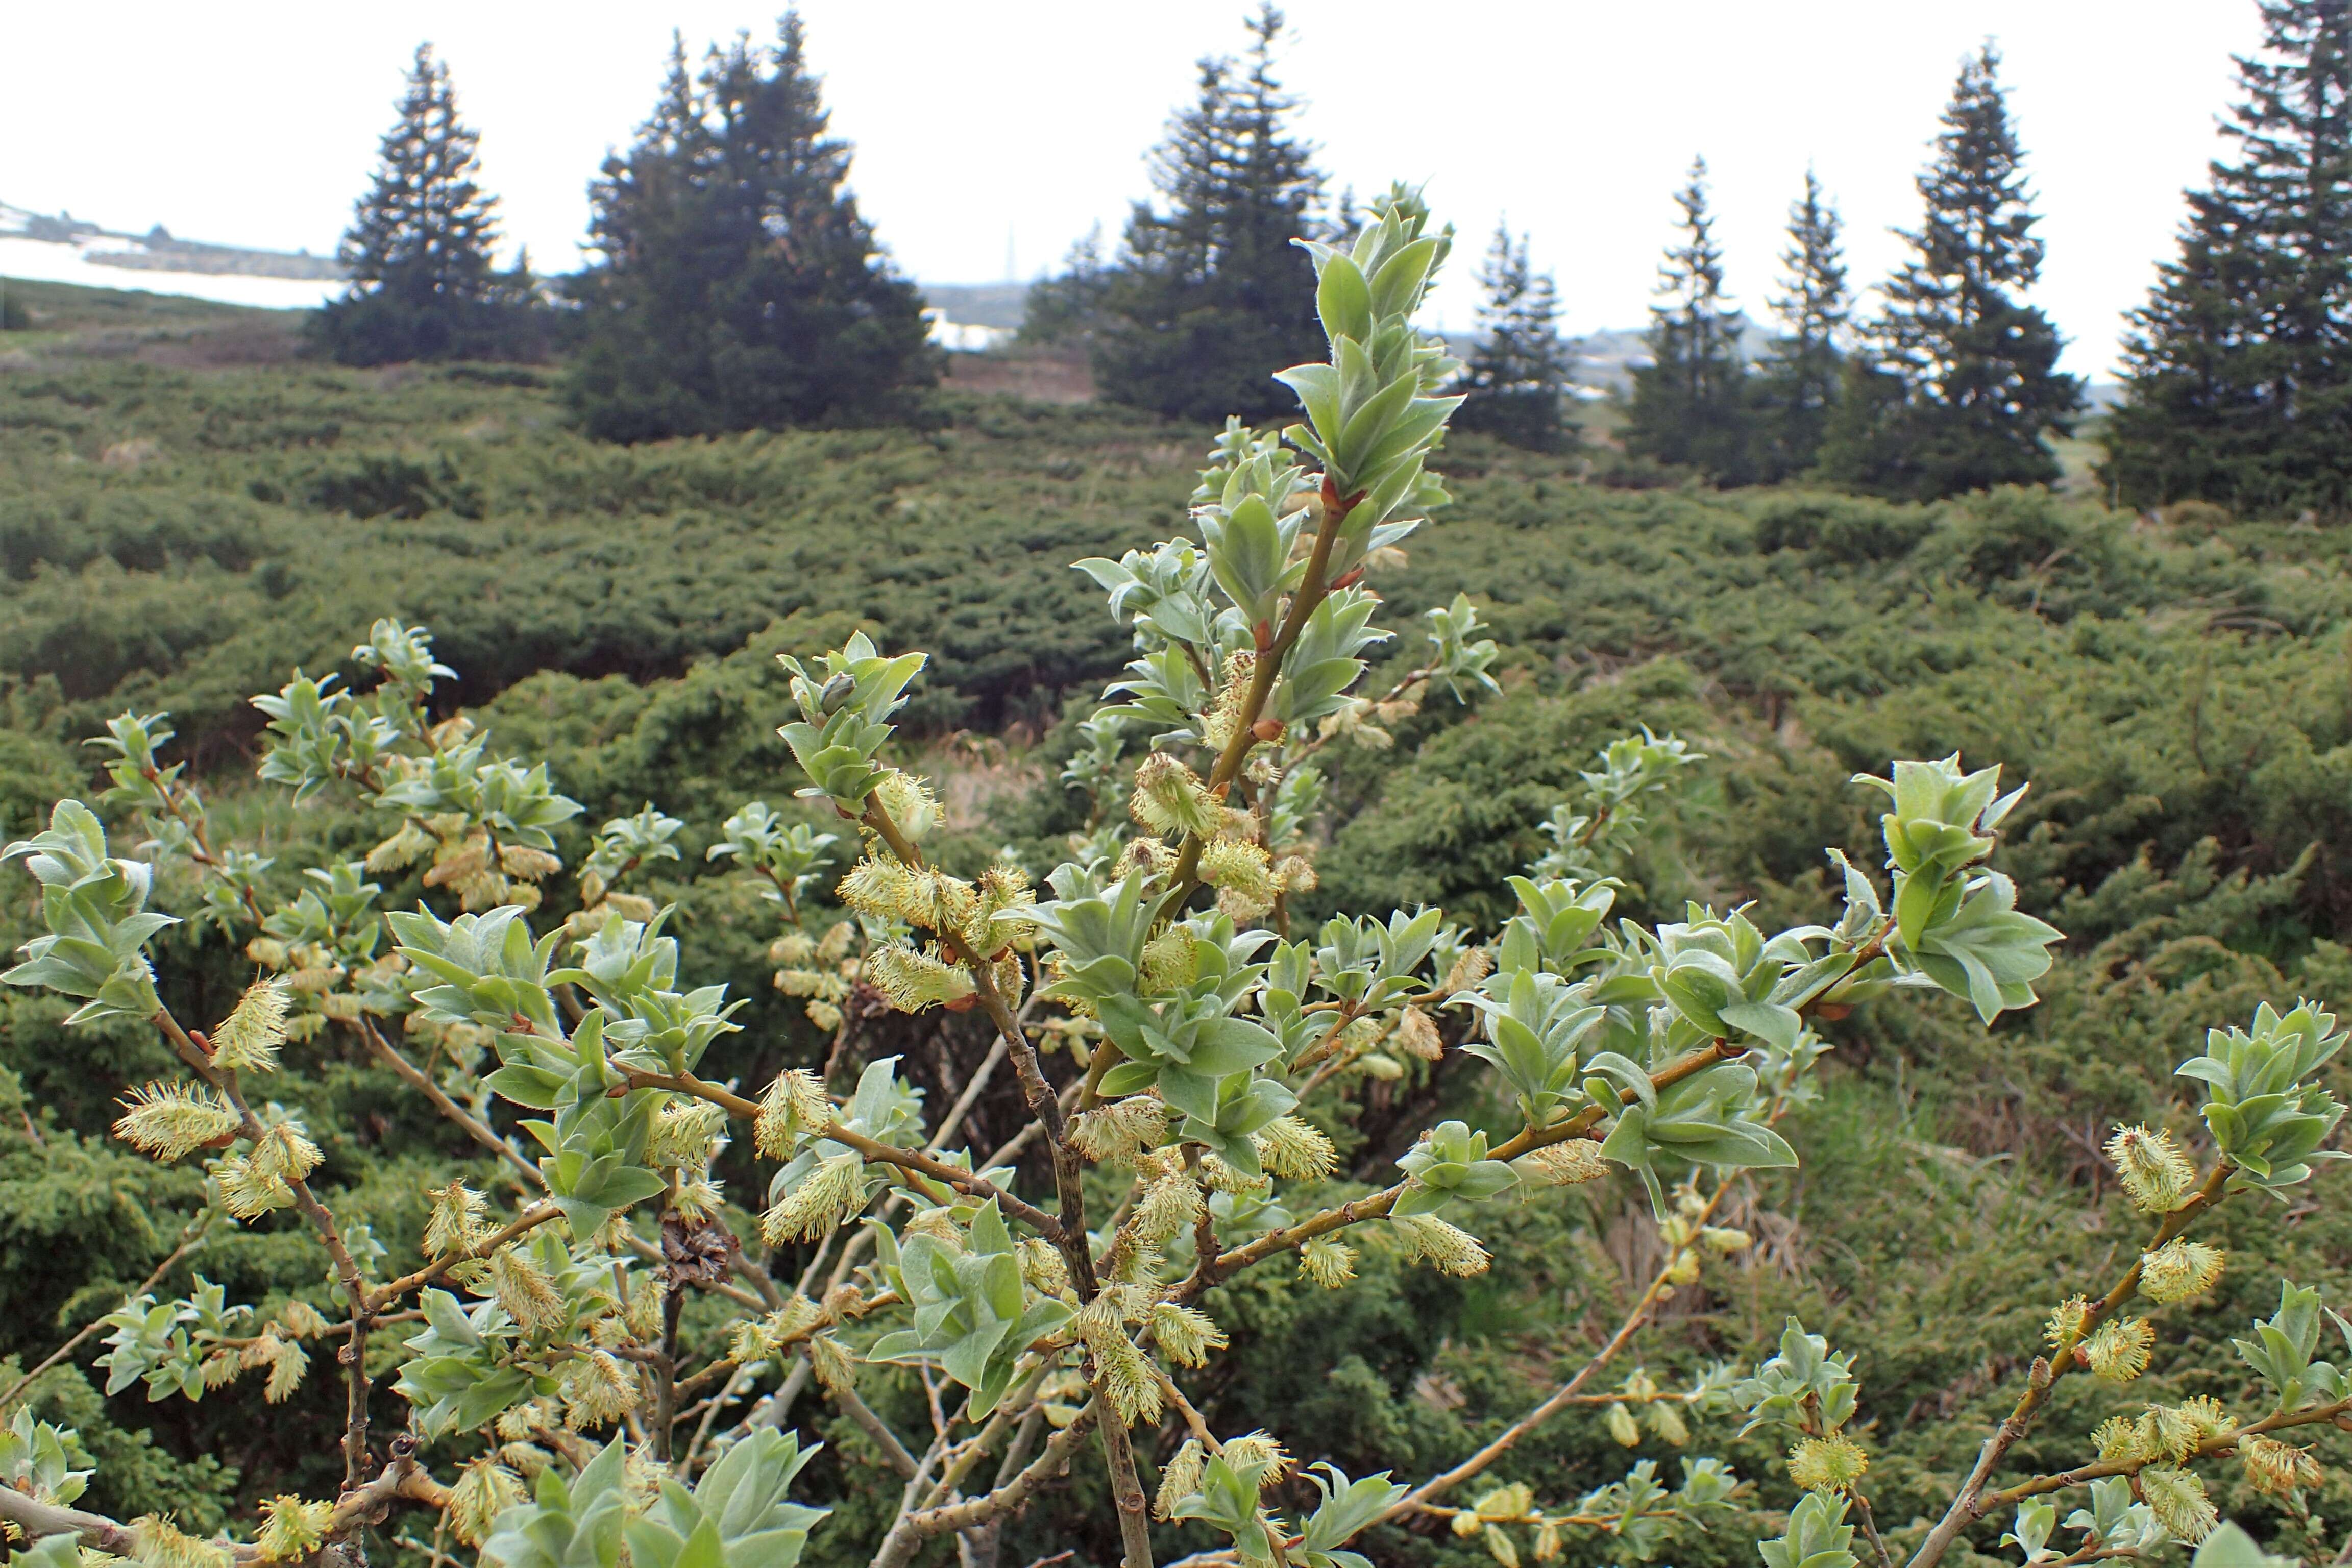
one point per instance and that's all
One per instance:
(2175, 689)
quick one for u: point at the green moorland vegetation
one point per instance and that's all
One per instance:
(2174, 686)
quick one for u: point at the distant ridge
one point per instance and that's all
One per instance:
(158, 250)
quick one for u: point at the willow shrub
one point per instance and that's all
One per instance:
(1184, 1055)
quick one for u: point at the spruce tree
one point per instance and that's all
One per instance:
(423, 285)
(2238, 387)
(1516, 379)
(1211, 297)
(1067, 306)
(1960, 381)
(1691, 404)
(739, 288)
(1797, 381)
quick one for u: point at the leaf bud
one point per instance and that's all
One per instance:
(834, 692)
(1623, 1426)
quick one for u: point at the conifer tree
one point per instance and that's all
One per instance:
(2238, 388)
(1691, 404)
(424, 283)
(739, 286)
(1961, 381)
(1516, 380)
(1068, 306)
(1797, 384)
(1211, 298)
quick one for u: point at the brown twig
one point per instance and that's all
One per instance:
(870, 1148)
(477, 1130)
(347, 1269)
(1568, 1393)
(912, 1529)
(1969, 1504)
(1070, 1235)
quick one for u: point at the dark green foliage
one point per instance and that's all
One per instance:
(1211, 296)
(1067, 306)
(1798, 381)
(1516, 378)
(423, 285)
(13, 316)
(285, 504)
(739, 288)
(2237, 391)
(1959, 382)
(1691, 404)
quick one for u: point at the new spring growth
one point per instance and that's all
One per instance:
(2152, 1168)
(1179, 1477)
(1295, 1150)
(597, 1389)
(485, 1488)
(2117, 1350)
(2178, 1500)
(824, 1198)
(1171, 798)
(1328, 1261)
(1446, 1248)
(160, 1543)
(2179, 1269)
(2166, 1434)
(2279, 1469)
(525, 1292)
(455, 1224)
(292, 1529)
(287, 1362)
(1185, 1334)
(794, 1104)
(1127, 1375)
(1830, 1464)
(2066, 1322)
(170, 1120)
(248, 1038)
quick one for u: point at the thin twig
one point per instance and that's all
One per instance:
(1969, 1504)
(192, 1235)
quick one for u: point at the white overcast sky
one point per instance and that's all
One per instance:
(1017, 123)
